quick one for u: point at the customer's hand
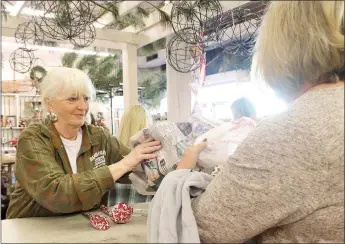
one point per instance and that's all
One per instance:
(190, 157)
(143, 151)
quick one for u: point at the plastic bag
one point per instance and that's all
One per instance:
(223, 140)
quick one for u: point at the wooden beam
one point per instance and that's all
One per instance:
(155, 31)
(130, 75)
(152, 19)
(9, 27)
(124, 8)
(16, 8)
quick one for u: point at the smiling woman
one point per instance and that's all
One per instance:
(63, 164)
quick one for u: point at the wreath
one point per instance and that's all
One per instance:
(38, 73)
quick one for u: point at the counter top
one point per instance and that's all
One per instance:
(74, 228)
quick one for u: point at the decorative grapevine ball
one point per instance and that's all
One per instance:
(121, 213)
(98, 221)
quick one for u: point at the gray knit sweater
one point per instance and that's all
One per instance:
(285, 182)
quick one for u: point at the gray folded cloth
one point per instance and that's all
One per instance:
(170, 217)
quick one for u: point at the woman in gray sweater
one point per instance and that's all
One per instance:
(285, 182)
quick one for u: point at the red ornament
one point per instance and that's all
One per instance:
(120, 213)
(99, 222)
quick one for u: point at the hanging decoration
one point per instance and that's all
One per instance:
(37, 75)
(189, 20)
(238, 34)
(86, 38)
(28, 33)
(183, 57)
(68, 20)
(21, 60)
(202, 25)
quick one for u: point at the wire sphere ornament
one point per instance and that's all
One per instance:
(86, 38)
(195, 16)
(64, 20)
(21, 60)
(75, 16)
(238, 36)
(28, 33)
(46, 19)
(183, 57)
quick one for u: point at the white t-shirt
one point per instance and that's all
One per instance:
(72, 148)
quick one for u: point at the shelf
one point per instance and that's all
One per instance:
(18, 94)
(13, 128)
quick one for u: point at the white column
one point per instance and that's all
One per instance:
(178, 94)
(130, 76)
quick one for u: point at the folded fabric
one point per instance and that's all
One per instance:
(170, 216)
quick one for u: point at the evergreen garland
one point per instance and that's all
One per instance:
(101, 70)
(37, 69)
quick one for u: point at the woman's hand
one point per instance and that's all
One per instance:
(143, 151)
(190, 157)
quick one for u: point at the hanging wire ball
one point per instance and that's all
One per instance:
(238, 36)
(45, 20)
(21, 60)
(86, 38)
(74, 16)
(64, 20)
(194, 16)
(28, 33)
(183, 57)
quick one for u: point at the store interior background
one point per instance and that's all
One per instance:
(140, 68)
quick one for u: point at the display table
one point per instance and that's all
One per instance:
(75, 228)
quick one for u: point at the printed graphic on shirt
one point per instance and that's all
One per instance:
(98, 158)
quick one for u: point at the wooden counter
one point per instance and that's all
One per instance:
(75, 228)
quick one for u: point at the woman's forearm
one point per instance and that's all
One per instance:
(117, 170)
(188, 160)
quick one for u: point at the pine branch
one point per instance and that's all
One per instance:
(4, 12)
(87, 62)
(108, 7)
(163, 16)
(142, 12)
(68, 59)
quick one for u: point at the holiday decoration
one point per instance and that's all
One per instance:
(184, 57)
(23, 123)
(28, 33)
(37, 73)
(189, 20)
(14, 142)
(238, 34)
(85, 38)
(21, 60)
(99, 222)
(120, 213)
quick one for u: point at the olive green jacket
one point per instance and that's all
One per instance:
(46, 185)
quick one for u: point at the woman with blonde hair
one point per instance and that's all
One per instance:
(285, 183)
(134, 119)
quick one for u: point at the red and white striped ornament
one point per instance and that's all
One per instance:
(120, 213)
(99, 222)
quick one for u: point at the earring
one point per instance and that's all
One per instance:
(52, 117)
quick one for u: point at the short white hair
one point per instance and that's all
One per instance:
(72, 81)
(299, 42)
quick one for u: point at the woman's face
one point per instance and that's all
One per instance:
(71, 110)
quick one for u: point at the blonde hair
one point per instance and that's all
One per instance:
(299, 42)
(71, 81)
(133, 120)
